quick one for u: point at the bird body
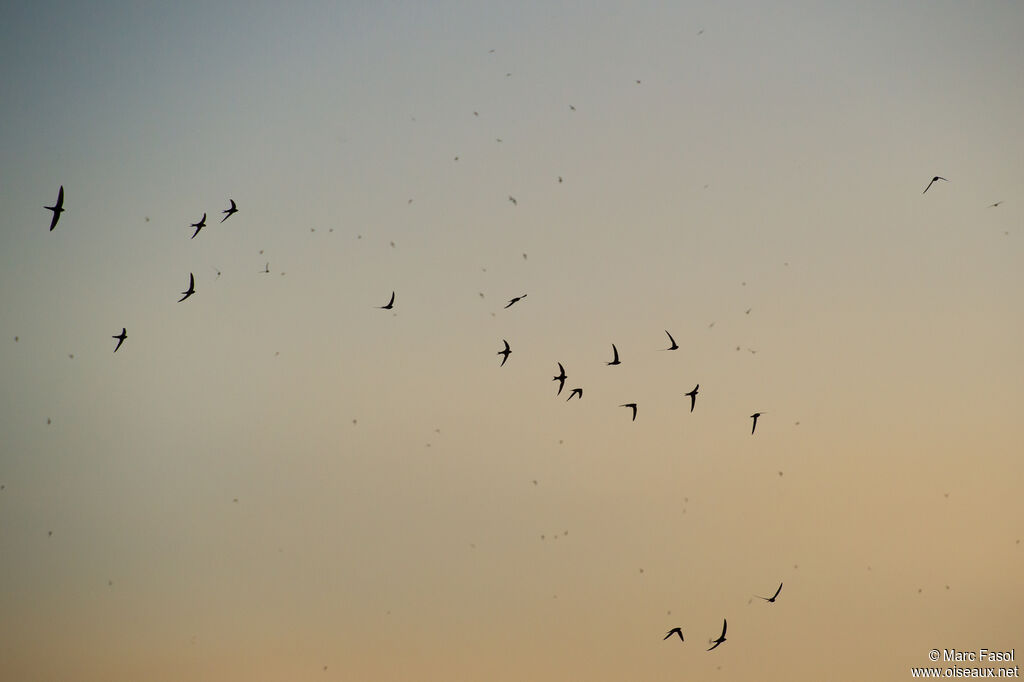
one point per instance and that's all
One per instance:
(771, 600)
(199, 225)
(693, 397)
(674, 346)
(57, 208)
(391, 303)
(754, 417)
(675, 631)
(560, 378)
(721, 637)
(120, 338)
(515, 300)
(615, 359)
(505, 353)
(633, 406)
(575, 392)
(229, 211)
(933, 180)
(191, 288)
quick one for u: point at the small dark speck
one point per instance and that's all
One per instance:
(147, 219)
(946, 495)
(312, 229)
(947, 587)
(919, 590)
(392, 245)
(110, 583)
(541, 537)
(780, 474)
(71, 355)
(355, 421)
(49, 533)
(535, 481)
(641, 570)
(524, 256)
(15, 339)
(48, 421)
(235, 500)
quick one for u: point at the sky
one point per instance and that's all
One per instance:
(278, 479)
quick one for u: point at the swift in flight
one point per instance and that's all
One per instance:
(560, 379)
(191, 288)
(933, 180)
(57, 208)
(615, 360)
(120, 338)
(721, 637)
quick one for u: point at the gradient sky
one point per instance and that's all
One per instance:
(275, 476)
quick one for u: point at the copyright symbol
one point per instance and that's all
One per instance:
(933, 655)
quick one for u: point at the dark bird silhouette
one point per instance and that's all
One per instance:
(200, 225)
(391, 303)
(615, 360)
(693, 396)
(772, 599)
(933, 180)
(265, 270)
(229, 211)
(560, 379)
(721, 637)
(504, 353)
(515, 300)
(995, 204)
(675, 631)
(576, 392)
(633, 406)
(191, 288)
(754, 417)
(57, 208)
(674, 346)
(120, 338)
(513, 200)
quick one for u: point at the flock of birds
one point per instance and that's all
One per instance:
(58, 208)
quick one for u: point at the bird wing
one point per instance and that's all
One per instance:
(60, 198)
(777, 591)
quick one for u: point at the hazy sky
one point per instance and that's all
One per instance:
(275, 476)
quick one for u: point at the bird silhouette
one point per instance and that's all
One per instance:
(674, 346)
(995, 205)
(933, 180)
(391, 303)
(265, 270)
(191, 287)
(633, 406)
(693, 397)
(504, 353)
(615, 360)
(200, 225)
(675, 631)
(560, 379)
(120, 338)
(772, 599)
(576, 392)
(754, 417)
(57, 208)
(515, 300)
(228, 212)
(721, 637)
(513, 200)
